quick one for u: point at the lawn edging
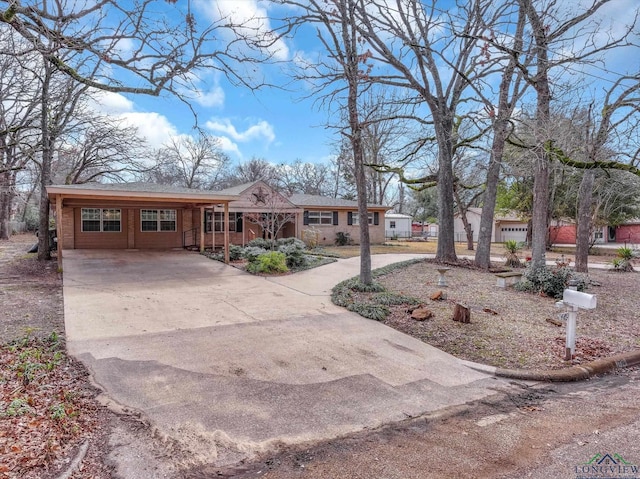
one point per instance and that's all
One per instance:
(573, 373)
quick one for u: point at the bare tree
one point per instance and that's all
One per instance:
(417, 42)
(18, 123)
(194, 162)
(305, 178)
(99, 148)
(149, 46)
(339, 76)
(552, 28)
(276, 212)
(252, 170)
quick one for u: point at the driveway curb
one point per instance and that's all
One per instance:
(574, 373)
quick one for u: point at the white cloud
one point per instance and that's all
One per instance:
(260, 130)
(156, 128)
(111, 103)
(251, 19)
(229, 146)
(212, 98)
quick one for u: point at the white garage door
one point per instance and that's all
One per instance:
(518, 233)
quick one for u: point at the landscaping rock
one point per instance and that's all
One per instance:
(420, 314)
(438, 296)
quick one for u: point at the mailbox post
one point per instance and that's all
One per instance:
(575, 300)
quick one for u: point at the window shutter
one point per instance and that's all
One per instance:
(335, 218)
(350, 218)
(376, 218)
(305, 218)
(239, 222)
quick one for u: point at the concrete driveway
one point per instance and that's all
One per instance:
(227, 364)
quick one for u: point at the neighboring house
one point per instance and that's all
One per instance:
(425, 230)
(397, 225)
(565, 232)
(629, 232)
(149, 216)
(505, 226)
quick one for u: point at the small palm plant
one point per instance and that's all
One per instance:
(512, 248)
(623, 261)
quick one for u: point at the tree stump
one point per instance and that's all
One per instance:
(461, 313)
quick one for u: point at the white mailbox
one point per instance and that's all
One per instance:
(578, 299)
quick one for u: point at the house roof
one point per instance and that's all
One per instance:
(319, 201)
(147, 191)
(397, 216)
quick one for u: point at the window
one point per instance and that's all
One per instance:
(101, 220)
(356, 219)
(158, 220)
(392, 224)
(320, 217)
(235, 222)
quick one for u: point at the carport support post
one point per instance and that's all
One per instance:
(202, 225)
(226, 232)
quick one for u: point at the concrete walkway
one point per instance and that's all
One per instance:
(227, 364)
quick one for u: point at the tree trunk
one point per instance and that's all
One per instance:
(446, 249)
(5, 205)
(462, 210)
(539, 218)
(500, 133)
(461, 313)
(45, 170)
(584, 221)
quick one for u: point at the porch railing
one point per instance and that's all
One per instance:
(191, 238)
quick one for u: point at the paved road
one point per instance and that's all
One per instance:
(224, 364)
(588, 429)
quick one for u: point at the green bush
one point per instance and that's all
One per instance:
(271, 262)
(550, 281)
(251, 253)
(342, 238)
(388, 298)
(296, 257)
(262, 243)
(373, 311)
(623, 261)
(235, 252)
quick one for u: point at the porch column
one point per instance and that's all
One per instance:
(226, 232)
(59, 228)
(213, 228)
(202, 223)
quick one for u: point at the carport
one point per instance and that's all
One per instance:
(133, 216)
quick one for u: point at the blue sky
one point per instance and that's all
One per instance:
(274, 124)
(270, 123)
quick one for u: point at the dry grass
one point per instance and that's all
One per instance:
(508, 328)
(429, 247)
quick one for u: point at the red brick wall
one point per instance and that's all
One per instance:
(565, 234)
(629, 233)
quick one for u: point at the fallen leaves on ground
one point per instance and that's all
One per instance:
(46, 407)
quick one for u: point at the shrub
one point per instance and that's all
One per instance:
(294, 255)
(311, 238)
(388, 298)
(342, 238)
(550, 281)
(623, 261)
(513, 248)
(271, 262)
(235, 252)
(251, 253)
(262, 243)
(374, 311)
